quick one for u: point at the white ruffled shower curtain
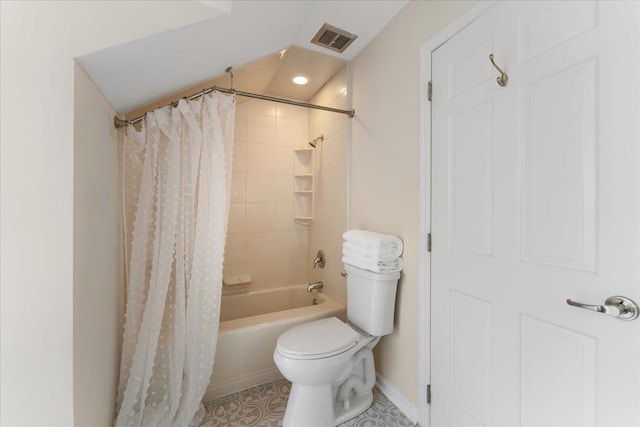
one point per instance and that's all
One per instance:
(176, 188)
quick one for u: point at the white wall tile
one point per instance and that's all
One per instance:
(235, 248)
(261, 217)
(290, 271)
(261, 108)
(240, 127)
(284, 217)
(262, 234)
(261, 129)
(335, 123)
(261, 246)
(286, 244)
(231, 270)
(292, 132)
(335, 149)
(283, 160)
(239, 157)
(320, 219)
(238, 187)
(237, 218)
(283, 272)
(283, 188)
(292, 112)
(261, 188)
(331, 184)
(261, 158)
(318, 124)
(299, 268)
(263, 274)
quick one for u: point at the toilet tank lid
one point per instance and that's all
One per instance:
(319, 337)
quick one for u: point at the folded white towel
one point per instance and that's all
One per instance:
(372, 262)
(385, 253)
(376, 267)
(371, 239)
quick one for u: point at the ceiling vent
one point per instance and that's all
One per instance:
(333, 38)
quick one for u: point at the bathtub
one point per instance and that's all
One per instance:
(250, 325)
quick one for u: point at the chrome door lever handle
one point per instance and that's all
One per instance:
(621, 307)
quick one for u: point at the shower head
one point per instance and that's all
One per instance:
(315, 141)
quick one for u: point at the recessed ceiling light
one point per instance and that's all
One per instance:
(300, 79)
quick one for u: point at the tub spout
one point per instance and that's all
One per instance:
(315, 285)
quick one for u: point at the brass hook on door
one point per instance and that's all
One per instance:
(503, 79)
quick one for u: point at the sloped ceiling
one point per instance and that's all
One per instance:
(139, 72)
(270, 75)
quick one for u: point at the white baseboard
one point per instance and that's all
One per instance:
(224, 388)
(406, 407)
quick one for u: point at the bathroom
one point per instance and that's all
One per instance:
(62, 299)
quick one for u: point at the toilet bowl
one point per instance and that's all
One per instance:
(318, 357)
(329, 362)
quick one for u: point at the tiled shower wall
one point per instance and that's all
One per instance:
(331, 208)
(263, 240)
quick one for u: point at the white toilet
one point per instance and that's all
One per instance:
(329, 362)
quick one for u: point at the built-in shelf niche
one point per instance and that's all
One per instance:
(304, 185)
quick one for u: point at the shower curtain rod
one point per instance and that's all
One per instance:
(122, 123)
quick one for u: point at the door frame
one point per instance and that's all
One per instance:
(424, 150)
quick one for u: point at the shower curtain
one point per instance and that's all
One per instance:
(176, 175)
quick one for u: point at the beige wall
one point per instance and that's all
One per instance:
(384, 166)
(97, 284)
(263, 240)
(38, 43)
(330, 184)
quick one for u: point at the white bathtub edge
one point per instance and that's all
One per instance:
(405, 405)
(245, 346)
(225, 388)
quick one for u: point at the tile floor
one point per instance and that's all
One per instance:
(264, 405)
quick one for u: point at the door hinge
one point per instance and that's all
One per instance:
(428, 393)
(429, 242)
(429, 91)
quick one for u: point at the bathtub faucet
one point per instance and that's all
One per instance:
(315, 285)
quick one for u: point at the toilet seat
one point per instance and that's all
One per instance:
(317, 339)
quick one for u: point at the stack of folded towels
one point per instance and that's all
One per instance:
(372, 251)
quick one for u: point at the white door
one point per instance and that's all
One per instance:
(536, 200)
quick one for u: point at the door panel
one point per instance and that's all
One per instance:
(471, 347)
(552, 24)
(558, 215)
(558, 375)
(535, 199)
(470, 180)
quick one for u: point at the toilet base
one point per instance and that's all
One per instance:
(358, 404)
(309, 406)
(313, 406)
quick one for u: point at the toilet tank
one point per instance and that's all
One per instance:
(371, 299)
